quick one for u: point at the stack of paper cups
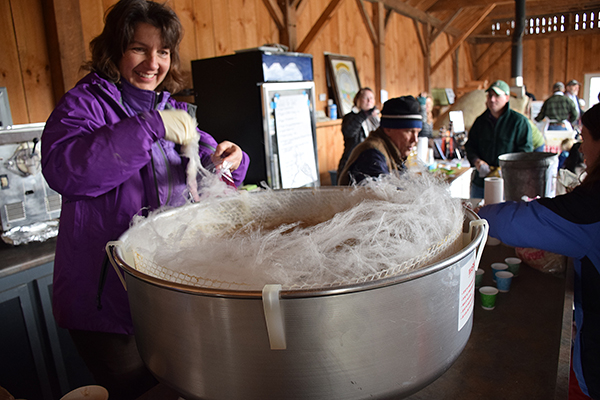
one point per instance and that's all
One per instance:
(493, 190)
(423, 149)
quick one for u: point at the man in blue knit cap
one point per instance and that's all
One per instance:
(387, 148)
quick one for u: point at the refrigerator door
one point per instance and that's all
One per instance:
(290, 134)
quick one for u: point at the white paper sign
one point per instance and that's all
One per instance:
(467, 292)
(295, 141)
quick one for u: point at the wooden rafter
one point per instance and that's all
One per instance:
(463, 37)
(367, 21)
(300, 5)
(420, 37)
(320, 24)
(409, 11)
(388, 15)
(275, 13)
(447, 23)
(446, 5)
(484, 52)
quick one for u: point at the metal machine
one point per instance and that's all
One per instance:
(25, 197)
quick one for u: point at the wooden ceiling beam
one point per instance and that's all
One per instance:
(445, 26)
(409, 11)
(320, 24)
(445, 5)
(463, 37)
(481, 39)
(367, 21)
(505, 10)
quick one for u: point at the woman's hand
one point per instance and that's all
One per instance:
(227, 152)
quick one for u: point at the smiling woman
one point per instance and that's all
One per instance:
(112, 148)
(147, 60)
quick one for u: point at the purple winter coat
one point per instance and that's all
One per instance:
(103, 150)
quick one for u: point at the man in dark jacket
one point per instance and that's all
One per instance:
(499, 130)
(387, 148)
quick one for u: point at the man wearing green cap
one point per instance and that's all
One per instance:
(499, 130)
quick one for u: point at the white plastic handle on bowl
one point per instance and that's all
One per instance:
(483, 223)
(274, 316)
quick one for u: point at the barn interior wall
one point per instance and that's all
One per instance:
(215, 28)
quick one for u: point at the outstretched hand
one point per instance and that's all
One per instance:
(229, 154)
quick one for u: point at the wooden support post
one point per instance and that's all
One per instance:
(456, 69)
(66, 47)
(289, 34)
(427, 57)
(379, 17)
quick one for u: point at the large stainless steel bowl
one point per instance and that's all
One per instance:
(377, 340)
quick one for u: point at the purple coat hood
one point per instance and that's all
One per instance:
(103, 150)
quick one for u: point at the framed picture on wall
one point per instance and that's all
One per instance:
(342, 80)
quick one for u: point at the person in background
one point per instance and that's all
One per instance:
(528, 94)
(537, 138)
(571, 91)
(565, 147)
(426, 102)
(568, 224)
(574, 161)
(111, 148)
(387, 148)
(358, 123)
(497, 131)
(559, 109)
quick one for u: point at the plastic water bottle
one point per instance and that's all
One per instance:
(331, 109)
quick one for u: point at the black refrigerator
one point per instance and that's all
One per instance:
(264, 101)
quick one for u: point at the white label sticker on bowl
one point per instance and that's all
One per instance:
(467, 291)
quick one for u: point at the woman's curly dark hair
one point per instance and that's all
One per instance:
(119, 28)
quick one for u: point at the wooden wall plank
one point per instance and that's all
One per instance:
(214, 28)
(243, 24)
(92, 20)
(330, 146)
(221, 29)
(10, 71)
(267, 31)
(187, 48)
(33, 59)
(203, 32)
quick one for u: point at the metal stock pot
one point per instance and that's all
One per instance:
(383, 339)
